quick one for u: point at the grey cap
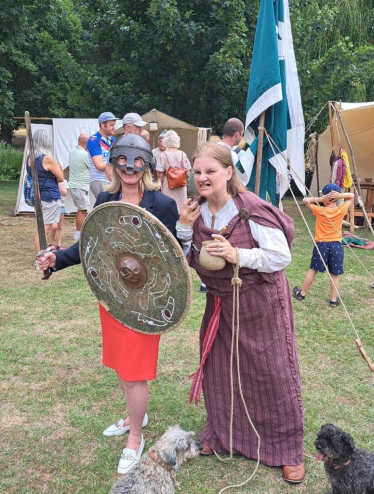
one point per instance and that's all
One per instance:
(133, 119)
(106, 116)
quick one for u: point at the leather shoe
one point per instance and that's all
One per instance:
(206, 451)
(293, 474)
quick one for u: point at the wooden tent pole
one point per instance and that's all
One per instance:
(331, 129)
(351, 151)
(317, 169)
(361, 202)
(33, 118)
(260, 146)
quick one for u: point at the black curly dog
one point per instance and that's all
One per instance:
(350, 470)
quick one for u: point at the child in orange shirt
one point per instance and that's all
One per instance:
(329, 220)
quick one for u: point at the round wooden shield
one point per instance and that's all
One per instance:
(135, 267)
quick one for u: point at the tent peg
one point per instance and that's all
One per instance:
(364, 354)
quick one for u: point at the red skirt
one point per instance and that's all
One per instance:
(131, 354)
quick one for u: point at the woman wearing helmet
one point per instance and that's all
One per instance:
(131, 354)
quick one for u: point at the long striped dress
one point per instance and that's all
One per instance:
(269, 366)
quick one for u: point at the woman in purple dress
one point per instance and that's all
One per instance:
(258, 237)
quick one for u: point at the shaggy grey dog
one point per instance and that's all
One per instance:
(155, 471)
(350, 470)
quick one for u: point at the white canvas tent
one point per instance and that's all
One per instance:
(358, 120)
(64, 132)
(190, 135)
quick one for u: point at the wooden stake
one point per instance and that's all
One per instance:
(260, 146)
(364, 354)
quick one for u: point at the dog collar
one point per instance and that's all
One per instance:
(336, 467)
(161, 462)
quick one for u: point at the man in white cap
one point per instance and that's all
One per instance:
(133, 123)
(98, 146)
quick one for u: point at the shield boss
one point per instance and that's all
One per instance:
(135, 267)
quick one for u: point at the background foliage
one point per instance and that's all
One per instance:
(76, 58)
(10, 162)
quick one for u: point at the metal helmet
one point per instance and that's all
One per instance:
(131, 146)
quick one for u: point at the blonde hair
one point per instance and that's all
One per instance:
(146, 182)
(222, 154)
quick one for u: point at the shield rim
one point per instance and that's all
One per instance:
(186, 267)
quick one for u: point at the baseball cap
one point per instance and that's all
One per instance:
(330, 188)
(107, 115)
(133, 119)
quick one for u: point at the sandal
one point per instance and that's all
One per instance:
(60, 247)
(52, 246)
(297, 293)
(334, 303)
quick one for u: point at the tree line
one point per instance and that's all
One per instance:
(191, 59)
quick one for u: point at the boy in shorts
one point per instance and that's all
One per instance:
(329, 220)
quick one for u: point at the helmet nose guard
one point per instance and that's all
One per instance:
(132, 146)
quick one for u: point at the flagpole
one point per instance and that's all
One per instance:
(259, 152)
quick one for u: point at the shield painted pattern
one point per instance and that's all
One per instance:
(135, 267)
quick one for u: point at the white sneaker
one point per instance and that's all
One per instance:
(120, 428)
(77, 235)
(129, 458)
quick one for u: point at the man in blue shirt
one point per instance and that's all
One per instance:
(98, 146)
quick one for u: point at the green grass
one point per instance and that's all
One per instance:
(56, 397)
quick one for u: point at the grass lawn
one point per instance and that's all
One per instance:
(57, 398)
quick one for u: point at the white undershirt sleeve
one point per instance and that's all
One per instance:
(273, 253)
(184, 233)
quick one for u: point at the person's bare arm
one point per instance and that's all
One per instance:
(309, 201)
(109, 172)
(99, 163)
(62, 189)
(50, 165)
(347, 196)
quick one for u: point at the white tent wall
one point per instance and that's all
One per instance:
(358, 120)
(65, 132)
(21, 206)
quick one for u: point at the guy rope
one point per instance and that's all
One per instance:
(357, 341)
(237, 283)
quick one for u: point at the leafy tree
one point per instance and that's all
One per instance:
(334, 50)
(190, 59)
(43, 61)
(77, 58)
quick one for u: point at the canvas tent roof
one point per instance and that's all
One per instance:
(190, 135)
(358, 120)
